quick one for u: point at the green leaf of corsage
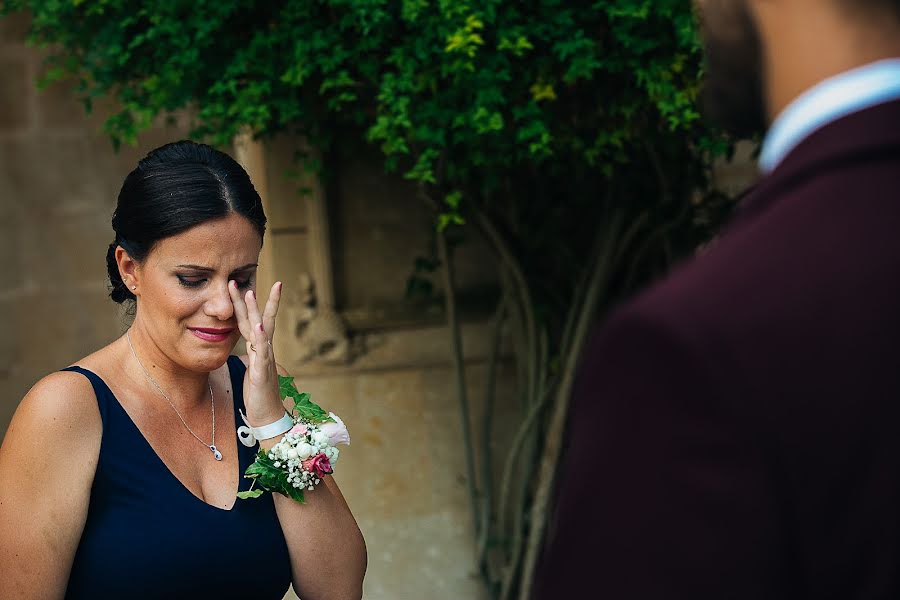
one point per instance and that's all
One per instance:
(250, 494)
(304, 408)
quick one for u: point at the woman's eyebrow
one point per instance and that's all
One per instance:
(200, 268)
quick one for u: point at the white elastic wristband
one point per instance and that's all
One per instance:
(249, 435)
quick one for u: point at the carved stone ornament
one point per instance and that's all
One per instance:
(319, 333)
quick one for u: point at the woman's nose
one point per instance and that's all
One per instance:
(219, 304)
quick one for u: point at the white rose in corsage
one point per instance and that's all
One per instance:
(336, 431)
(305, 454)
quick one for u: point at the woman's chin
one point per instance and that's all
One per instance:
(210, 358)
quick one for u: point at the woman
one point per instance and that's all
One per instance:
(118, 475)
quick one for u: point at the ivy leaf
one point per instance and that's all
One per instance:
(269, 478)
(259, 469)
(250, 494)
(304, 408)
(286, 387)
(291, 492)
(309, 411)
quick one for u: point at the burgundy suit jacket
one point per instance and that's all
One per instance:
(735, 430)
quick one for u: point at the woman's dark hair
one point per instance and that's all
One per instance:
(173, 188)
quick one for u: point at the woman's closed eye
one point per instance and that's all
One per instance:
(192, 282)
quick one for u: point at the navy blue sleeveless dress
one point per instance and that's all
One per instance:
(147, 536)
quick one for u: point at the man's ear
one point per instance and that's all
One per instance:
(129, 269)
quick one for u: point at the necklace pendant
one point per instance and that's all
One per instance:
(216, 452)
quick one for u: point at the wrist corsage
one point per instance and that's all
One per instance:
(306, 453)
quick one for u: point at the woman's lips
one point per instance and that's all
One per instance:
(211, 335)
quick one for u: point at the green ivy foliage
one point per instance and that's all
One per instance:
(541, 112)
(500, 83)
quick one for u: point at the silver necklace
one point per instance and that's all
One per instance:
(212, 447)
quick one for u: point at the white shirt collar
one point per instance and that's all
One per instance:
(827, 101)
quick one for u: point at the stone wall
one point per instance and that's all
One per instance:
(59, 178)
(404, 473)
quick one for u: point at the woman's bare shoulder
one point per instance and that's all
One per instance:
(61, 402)
(61, 407)
(75, 389)
(47, 464)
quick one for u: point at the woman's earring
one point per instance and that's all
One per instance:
(134, 287)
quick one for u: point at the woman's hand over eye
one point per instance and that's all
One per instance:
(261, 397)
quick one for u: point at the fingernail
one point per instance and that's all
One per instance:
(279, 286)
(261, 327)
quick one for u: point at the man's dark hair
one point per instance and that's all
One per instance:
(872, 8)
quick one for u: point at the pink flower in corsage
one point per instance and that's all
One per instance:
(337, 431)
(318, 464)
(299, 428)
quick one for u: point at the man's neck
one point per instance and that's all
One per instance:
(803, 47)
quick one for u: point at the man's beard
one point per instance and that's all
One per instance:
(732, 94)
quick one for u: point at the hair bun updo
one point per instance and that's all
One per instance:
(173, 188)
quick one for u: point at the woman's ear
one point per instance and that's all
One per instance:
(128, 268)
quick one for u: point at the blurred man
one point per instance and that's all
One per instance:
(735, 431)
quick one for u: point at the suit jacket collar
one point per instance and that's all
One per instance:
(857, 137)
